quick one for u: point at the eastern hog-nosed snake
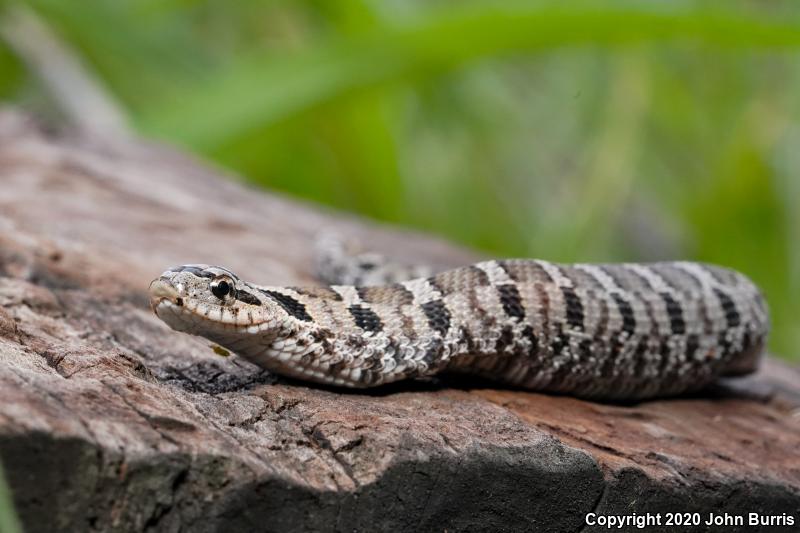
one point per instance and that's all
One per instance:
(623, 331)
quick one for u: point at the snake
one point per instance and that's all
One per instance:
(624, 331)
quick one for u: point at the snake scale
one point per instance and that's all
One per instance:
(618, 331)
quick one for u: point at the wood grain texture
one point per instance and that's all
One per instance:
(112, 421)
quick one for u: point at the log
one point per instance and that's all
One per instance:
(110, 421)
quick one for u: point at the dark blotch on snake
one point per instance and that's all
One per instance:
(677, 324)
(289, 304)
(438, 316)
(246, 297)
(365, 318)
(511, 300)
(729, 308)
(625, 309)
(574, 308)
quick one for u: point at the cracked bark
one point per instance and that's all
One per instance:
(110, 421)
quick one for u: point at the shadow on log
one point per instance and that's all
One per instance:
(110, 421)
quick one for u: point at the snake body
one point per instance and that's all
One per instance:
(623, 331)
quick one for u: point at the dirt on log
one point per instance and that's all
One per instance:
(110, 421)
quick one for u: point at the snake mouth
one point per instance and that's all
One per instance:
(162, 290)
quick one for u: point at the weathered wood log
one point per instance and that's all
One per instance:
(110, 421)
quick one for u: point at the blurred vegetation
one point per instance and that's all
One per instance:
(8, 518)
(572, 131)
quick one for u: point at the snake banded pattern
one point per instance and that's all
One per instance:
(624, 331)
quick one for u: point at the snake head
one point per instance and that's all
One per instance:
(203, 298)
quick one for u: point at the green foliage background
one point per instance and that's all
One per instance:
(587, 131)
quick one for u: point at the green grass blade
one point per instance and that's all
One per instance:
(8, 518)
(260, 91)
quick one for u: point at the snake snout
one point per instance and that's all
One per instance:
(161, 289)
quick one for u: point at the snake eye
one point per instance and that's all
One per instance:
(221, 287)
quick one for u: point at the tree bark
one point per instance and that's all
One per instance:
(110, 421)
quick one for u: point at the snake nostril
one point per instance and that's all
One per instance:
(179, 302)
